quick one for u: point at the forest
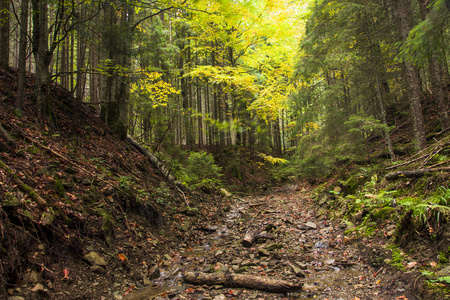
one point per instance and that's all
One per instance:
(176, 114)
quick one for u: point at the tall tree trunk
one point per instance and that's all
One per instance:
(116, 91)
(4, 32)
(403, 11)
(42, 56)
(23, 41)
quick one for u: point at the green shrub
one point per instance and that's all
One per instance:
(201, 169)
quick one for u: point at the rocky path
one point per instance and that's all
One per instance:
(305, 247)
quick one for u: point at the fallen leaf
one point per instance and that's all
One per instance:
(401, 297)
(66, 274)
(411, 265)
(122, 257)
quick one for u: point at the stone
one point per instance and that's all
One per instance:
(225, 193)
(154, 272)
(97, 269)
(220, 297)
(302, 266)
(337, 190)
(322, 244)
(311, 225)
(297, 270)
(274, 246)
(95, 259)
(32, 277)
(445, 271)
(38, 288)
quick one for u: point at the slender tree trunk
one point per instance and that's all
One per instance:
(23, 41)
(4, 32)
(403, 11)
(42, 56)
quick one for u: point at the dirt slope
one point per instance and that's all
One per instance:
(70, 187)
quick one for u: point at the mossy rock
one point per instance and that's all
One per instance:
(10, 201)
(107, 225)
(382, 213)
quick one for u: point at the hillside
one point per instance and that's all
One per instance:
(69, 187)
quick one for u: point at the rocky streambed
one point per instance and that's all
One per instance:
(296, 245)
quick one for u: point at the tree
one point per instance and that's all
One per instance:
(4, 32)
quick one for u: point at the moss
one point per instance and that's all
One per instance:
(397, 259)
(382, 213)
(443, 257)
(107, 225)
(32, 149)
(58, 187)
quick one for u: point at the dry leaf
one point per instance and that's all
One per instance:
(66, 274)
(122, 257)
(411, 265)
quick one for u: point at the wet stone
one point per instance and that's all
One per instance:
(311, 225)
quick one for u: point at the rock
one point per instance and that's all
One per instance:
(107, 225)
(323, 200)
(154, 272)
(274, 246)
(94, 259)
(445, 271)
(47, 218)
(225, 193)
(38, 288)
(297, 270)
(32, 277)
(97, 269)
(220, 297)
(337, 190)
(10, 201)
(311, 225)
(263, 252)
(302, 266)
(270, 227)
(322, 244)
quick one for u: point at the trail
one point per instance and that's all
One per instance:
(305, 247)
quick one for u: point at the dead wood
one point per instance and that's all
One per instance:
(240, 280)
(414, 173)
(252, 235)
(6, 136)
(156, 163)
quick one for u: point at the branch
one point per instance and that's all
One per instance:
(414, 173)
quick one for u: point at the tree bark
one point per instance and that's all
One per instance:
(404, 14)
(23, 41)
(250, 237)
(414, 173)
(4, 32)
(246, 281)
(42, 56)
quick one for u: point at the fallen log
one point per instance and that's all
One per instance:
(252, 235)
(155, 162)
(240, 280)
(414, 173)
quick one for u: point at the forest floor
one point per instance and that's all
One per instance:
(107, 224)
(306, 247)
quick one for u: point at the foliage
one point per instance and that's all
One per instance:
(201, 171)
